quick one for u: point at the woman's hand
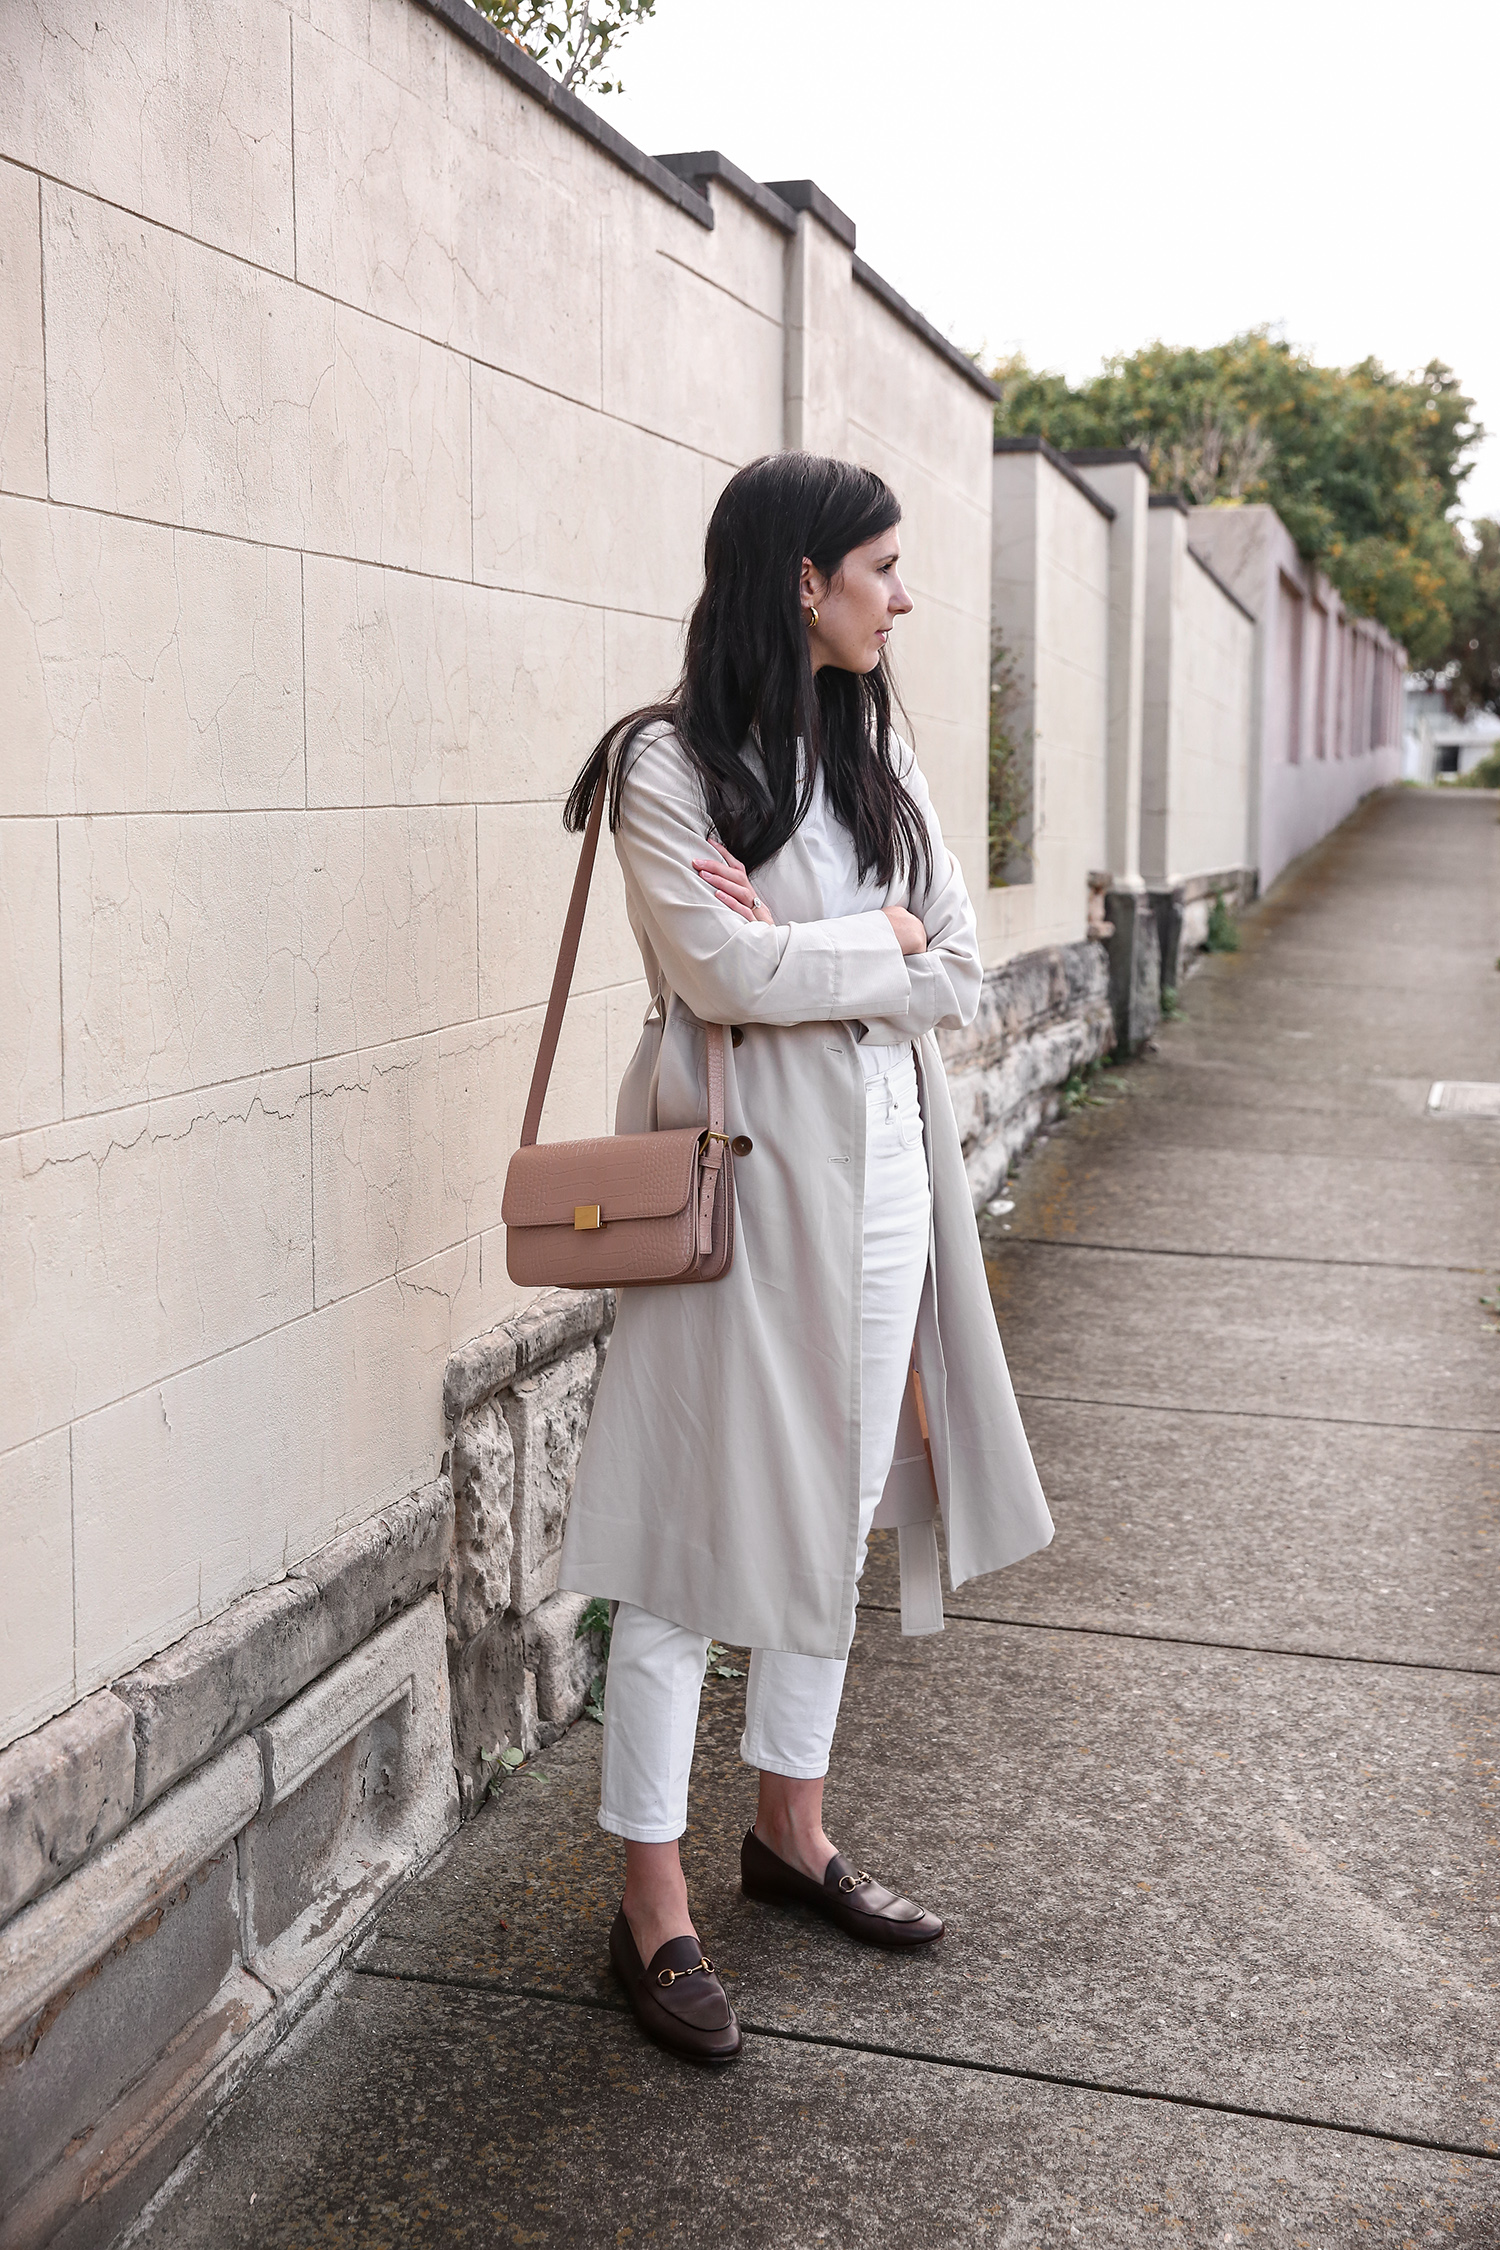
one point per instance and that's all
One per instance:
(910, 934)
(732, 887)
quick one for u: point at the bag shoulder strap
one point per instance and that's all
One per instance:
(562, 979)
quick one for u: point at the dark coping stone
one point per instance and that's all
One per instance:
(1060, 462)
(1107, 456)
(477, 31)
(695, 165)
(806, 195)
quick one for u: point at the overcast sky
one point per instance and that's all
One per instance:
(1075, 181)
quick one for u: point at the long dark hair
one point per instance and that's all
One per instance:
(747, 672)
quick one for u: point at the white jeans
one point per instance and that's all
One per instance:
(791, 1702)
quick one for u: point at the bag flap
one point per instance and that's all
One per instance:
(628, 1175)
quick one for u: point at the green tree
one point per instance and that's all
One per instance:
(568, 36)
(1364, 467)
(1474, 684)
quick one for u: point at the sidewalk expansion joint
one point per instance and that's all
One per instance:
(1189, 1640)
(1261, 1414)
(1121, 2089)
(1239, 1257)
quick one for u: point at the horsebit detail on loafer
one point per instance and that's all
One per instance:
(853, 1882)
(670, 1976)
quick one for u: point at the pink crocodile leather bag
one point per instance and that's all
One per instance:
(632, 1207)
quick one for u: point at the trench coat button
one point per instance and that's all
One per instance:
(742, 1144)
(736, 1036)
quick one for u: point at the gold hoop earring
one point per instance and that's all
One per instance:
(812, 614)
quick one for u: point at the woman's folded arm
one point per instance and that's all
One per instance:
(944, 981)
(726, 969)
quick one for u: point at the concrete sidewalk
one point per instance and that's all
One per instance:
(1205, 1792)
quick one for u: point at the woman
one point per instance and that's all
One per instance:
(785, 874)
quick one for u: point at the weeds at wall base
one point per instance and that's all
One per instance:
(497, 1765)
(1093, 1085)
(1223, 930)
(596, 1621)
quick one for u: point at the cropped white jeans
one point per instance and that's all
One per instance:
(791, 1701)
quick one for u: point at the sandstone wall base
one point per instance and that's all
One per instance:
(1041, 1017)
(195, 1849)
(518, 1401)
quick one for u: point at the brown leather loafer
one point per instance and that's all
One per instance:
(863, 1908)
(678, 2001)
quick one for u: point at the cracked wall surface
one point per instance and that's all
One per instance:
(359, 421)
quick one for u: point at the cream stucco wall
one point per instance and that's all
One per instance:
(1118, 475)
(909, 420)
(1050, 592)
(1195, 776)
(359, 421)
(1325, 722)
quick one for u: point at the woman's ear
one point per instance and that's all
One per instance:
(812, 586)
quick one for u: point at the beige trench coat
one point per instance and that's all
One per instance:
(719, 1480)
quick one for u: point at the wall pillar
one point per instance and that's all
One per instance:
(819, 277)
(1134, 968)
(1118, 475)
(1162, 700)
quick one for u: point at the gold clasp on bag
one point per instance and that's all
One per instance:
(708, 1134)
(586, 1218)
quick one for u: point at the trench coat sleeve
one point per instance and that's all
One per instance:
(728, 970)
(946, 979)
(944, 982)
